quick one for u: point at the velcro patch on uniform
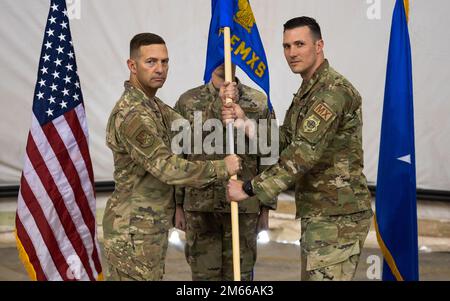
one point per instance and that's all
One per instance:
(323, 111)
(311, 124)
(144, 139)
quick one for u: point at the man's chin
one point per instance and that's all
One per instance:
(156, 85)
(296, 70)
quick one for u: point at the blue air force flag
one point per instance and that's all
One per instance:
(396, 213)
(247, 50)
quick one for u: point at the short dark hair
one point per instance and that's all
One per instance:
(304, 21)
(144, 39)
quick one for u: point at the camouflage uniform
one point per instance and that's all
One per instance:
(321, 154)
(140, 211)
(209, 242)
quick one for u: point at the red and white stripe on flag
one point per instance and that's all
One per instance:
(55, 222)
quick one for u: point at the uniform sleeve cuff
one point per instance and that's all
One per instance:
(264, 197)
(271, 206)
(220, 169)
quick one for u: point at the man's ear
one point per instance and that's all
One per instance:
(319, 46)
(132, 66)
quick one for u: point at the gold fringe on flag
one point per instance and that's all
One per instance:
(25, 259)
(387, 255)
(406, 5)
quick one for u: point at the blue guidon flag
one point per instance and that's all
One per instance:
(396, 212)
(247, 50)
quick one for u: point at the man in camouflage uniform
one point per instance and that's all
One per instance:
(208, 221)
(321, 154)
(140, 211)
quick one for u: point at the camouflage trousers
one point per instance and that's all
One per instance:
(136, 256)
(208, 247)
(331, 245)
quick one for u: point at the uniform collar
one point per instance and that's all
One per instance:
(307, 85)
(139, 96)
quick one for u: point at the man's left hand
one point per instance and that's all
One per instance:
(229, 91)
(235, 191)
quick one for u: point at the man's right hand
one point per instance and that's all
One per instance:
(233, 164)
(263, 220)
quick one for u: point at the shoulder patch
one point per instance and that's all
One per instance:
(311, 124)
(144, 139)
(323, 111)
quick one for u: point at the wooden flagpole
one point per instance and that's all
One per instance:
(230, 131)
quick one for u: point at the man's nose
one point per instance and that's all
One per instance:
(292, 52)
(159, 68)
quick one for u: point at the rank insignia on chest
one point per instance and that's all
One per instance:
(323, 111)
(144, 139)
(311, 124)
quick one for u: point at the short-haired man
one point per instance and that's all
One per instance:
(140, 211)
(321, 154)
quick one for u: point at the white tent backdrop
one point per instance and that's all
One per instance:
(356, 34)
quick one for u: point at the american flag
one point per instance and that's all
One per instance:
(55, 221)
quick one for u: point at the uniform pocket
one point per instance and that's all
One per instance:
(331, 255)
(149, 254)
(149, 249)
(121, 256)
(320, 234)
(148, 222)
(345, 196)
(363, 215)
(322, 246)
